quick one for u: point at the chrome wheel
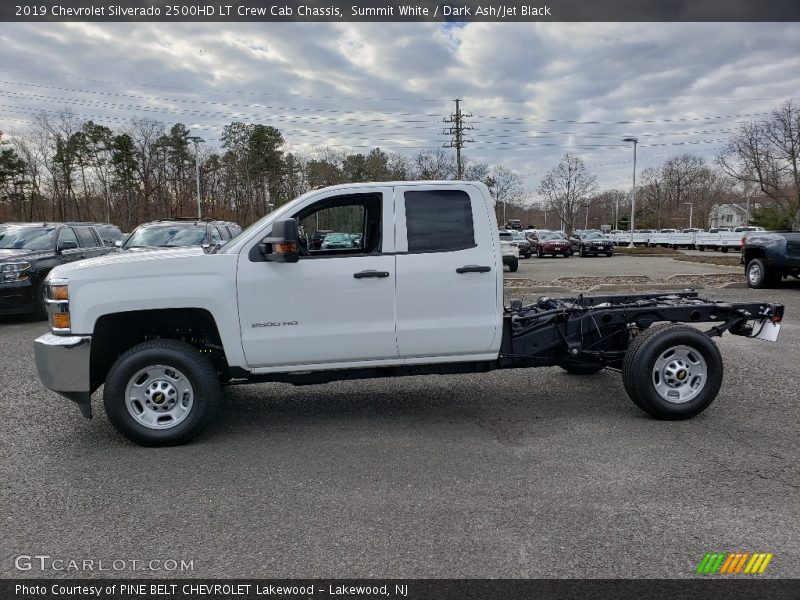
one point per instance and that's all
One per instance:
(679, 374)
(754, 273)
(159, 397)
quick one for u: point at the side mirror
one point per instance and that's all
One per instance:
(67, 245)
(118, 243)
(282, 245)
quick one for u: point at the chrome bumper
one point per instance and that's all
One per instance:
(63, 365)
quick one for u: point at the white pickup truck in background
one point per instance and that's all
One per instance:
(418, 290)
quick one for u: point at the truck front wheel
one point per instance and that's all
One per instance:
(513, 265)
(673, 373)
(161, 393)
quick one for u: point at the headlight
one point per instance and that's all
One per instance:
(17, 271)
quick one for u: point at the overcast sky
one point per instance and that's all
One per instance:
(536, 90)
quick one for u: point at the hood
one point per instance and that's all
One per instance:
(8, 254)
(155, 261)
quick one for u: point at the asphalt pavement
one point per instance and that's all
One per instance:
(527, 473)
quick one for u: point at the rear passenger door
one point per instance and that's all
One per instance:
(447, 290)
(90, 243)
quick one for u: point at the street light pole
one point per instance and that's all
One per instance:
(691, 208)
(633, 189)
(586, 222)
(196, 141)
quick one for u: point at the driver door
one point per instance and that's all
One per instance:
(336, 304)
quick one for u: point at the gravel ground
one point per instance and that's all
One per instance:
(527, 473)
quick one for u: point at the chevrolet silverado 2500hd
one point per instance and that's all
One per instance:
(421, 292)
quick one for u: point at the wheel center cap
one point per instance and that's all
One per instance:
(158, 397)
(681, 374)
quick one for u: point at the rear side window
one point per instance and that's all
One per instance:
(439, 221)
(86, 237)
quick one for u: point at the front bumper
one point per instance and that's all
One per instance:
(63, 362)
(16, 297)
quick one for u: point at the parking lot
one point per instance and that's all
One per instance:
(656, 267)
(526, 473)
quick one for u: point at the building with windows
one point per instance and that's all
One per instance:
(729, 215)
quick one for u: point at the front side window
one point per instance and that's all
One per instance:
(439, 221)
(341, 225)
(67, 235)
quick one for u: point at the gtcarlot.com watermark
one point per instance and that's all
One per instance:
(42, 563)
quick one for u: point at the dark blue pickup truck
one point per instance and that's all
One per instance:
(768, 257)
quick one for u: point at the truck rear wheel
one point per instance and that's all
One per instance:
(161, 393)
(760, 276)
(672, 372)
(513, 265)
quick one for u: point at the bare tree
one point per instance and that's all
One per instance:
(767, 153)
(566, 186)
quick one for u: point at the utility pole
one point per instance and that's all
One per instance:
(635, 141)
(196, 141)
(456, 129)
(691, 207)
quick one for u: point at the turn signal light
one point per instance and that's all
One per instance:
(285, 247)
(59, 292)
(60, 320)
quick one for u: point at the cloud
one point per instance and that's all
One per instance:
(535, 90)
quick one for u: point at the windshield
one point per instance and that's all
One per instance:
(518, 236)
(29, 238)
(167, 236)
(594, 236)
(550, 236)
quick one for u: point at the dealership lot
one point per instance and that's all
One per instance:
(527, 473)
(656, 267)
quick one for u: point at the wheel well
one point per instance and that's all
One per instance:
(115, 333)
(751, 253)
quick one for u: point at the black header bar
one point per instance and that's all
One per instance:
(442, 11)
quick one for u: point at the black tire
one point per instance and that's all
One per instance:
(198, 370)
(760, 276)
(567, 254)
(701, 248)
(609, 254)
(540, 254)
(640, 373)
(513, 266)
(724, 249)
(581, 368)
(583, 252)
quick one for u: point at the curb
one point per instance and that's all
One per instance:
(643, 287)
(693, 275)
(536, 289)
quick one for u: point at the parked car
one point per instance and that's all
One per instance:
(514, 224)
(317, 238)
(509, 250)
(552, 243)
(592, 243)
(337, 241)
(768, 257)
(29, 251)
(523, 245)
(175, 233)
(428, 301)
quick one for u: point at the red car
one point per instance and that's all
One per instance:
(550, 242)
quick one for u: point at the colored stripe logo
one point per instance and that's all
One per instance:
(734, 563)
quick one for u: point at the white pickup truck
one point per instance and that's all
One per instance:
(418, 291)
